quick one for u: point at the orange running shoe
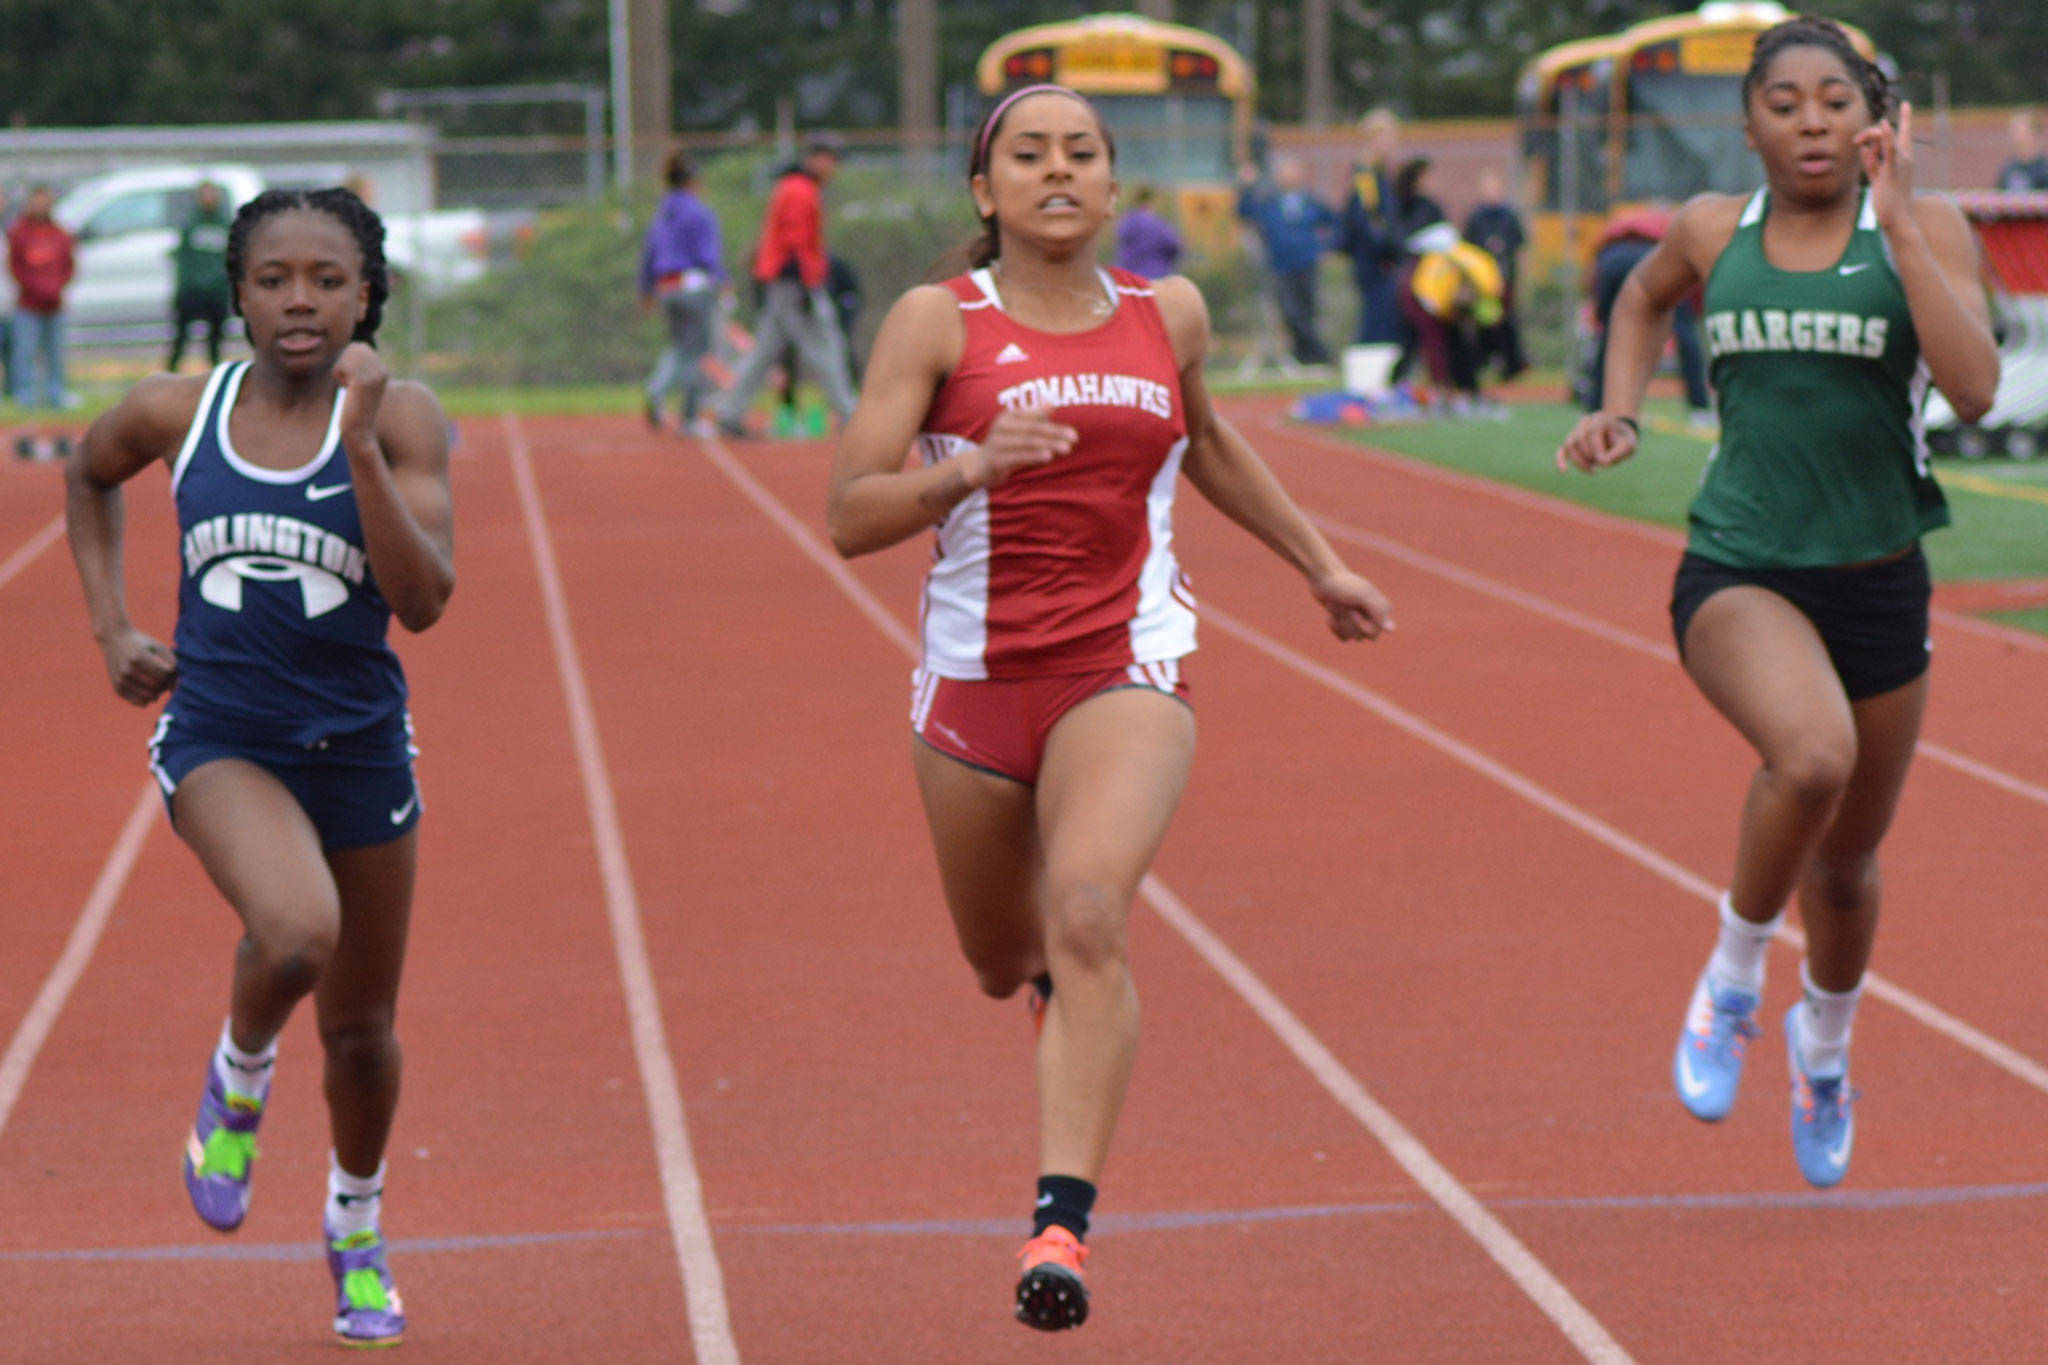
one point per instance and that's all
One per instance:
(1050, 1294)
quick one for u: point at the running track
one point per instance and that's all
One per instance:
(693, 1070)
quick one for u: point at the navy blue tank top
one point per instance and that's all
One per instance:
(281, 629)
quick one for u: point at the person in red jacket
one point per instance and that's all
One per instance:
(790, 266)
(39, 257)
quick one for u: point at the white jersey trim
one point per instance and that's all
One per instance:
(198, 427)
(954, 615)
(328, 444)
(1163, 627)
(985, 280)
(1753, 212)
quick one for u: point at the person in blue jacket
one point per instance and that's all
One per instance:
(1296, 228)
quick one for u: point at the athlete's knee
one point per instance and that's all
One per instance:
(998, 979)
(293, 950)
(1842, 881)
(365, 1047)
(1815, 770)
(1086, 921)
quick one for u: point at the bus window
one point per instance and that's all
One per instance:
(1685, 133)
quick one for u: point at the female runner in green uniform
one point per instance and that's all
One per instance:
(1833, 297)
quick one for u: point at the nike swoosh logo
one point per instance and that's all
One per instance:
(1852, 269)
(1691, 1084)
(1839, 1156)
(398, 816)
(316, 493)
(1044, 1201)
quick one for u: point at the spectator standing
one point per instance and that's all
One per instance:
(1628, 239)
(1365, 231)
(1296, 228)
(790, 264)
(2027, 171)
(40, 259)
(6, 312)
(1496, 226)
(201, 262)
(681, 271)
(1146, 243)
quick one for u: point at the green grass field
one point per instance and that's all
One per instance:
(2000, 529)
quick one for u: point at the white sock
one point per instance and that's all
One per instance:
(353, 1201)
(243, 1073)
(1825, 1023)
(1739, 956)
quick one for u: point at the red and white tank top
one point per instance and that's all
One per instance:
(1067, 567)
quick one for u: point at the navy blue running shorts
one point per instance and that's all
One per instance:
(1871, 617)
(358, 789)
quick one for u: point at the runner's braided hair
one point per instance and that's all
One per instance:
(1810, 30)
(344, 207)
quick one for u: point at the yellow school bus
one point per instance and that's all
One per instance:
(1178, 100)
(1653, 113)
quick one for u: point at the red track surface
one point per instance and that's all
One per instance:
(1505, 984)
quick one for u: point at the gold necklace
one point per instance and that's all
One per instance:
(1099, 304)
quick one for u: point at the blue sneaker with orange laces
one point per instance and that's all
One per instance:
(1823, 1115)
(220, 1154)
(367, 1309)
(1707, 1067)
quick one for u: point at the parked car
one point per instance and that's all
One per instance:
(126, 223)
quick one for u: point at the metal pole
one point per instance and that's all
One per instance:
(1568, 206)
(593, 142)
(622, 99)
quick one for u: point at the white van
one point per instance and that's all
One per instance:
(126, 224)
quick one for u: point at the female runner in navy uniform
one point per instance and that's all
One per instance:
(1832, 297)
(1053, 736)
(313, 505)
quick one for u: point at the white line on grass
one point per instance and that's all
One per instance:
(1572, 511)
(1990, 1049)
(682, 1191)
(34, 546)
(1627, 639)
(42, 1015)
(1530, 1275)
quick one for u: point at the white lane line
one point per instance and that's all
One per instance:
(682, 1191)
(1990, 1049)
(33, 546)
(1627, 639)
(1521, 1265)
(1606, 521)
(1529, 1274)
(42, 1014)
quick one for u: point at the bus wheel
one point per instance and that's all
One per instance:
(2022, 444)
(1973, 443)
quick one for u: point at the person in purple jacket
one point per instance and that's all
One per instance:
(1146, 244)
(680, 269)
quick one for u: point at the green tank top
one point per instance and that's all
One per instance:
(1821, 458)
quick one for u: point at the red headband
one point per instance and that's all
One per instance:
(988, 130)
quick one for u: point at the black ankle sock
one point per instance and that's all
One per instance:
(1042, 983)
(1065, 1200)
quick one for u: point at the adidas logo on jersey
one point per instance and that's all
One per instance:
(1011, 354)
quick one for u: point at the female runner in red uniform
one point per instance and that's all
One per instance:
(1052, 405)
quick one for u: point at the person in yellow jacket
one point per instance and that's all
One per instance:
(1450, 289)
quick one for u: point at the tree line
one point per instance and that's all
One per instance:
(107, 62)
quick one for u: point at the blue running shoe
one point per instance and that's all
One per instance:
(1708, 1065)
(367, 1309)
(219, 1154)
(1823, 1115)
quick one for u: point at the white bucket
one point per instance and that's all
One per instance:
(1368, 369)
